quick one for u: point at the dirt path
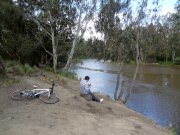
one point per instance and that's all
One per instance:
(73, 115)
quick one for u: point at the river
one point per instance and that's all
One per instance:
(156, 93)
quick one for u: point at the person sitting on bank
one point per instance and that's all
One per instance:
(85, 90)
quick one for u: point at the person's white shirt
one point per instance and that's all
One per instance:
(85, 86)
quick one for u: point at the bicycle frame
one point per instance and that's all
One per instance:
(45, 95)
(41, 91)
(37, 91)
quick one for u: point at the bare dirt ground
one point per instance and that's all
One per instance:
(72, 115)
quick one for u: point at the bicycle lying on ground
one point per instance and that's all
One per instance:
(45, 95)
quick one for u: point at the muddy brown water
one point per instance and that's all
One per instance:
(156, 93)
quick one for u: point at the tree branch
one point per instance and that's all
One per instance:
(38, 23)
(5, 50)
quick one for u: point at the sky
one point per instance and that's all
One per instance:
(167, 6)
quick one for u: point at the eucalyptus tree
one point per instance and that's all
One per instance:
(137, 24)
(108, 17)
(86, 9)
(135, 35)
(2, 67)
(55, 18)
(9, 29)
(174, 20)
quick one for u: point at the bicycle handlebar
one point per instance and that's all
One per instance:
(53, 84)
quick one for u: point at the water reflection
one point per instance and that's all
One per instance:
(156, 93)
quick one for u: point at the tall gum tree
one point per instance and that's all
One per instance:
(137, 23)
(107, 18)
(86, 9)
(107, 24)
(53, 17)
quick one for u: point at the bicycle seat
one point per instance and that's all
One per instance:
(35, 86)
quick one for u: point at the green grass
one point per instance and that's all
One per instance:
(174, 131)
(177, 61)
(12, 81)
(11, 63)
(132, 62)
(168, 63)
(67, 74)
(20, 69)
(8, 81)
(48, 68)
(28, 69)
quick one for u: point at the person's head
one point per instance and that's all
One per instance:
(87, 78)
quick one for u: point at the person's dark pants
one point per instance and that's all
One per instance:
(91, 97)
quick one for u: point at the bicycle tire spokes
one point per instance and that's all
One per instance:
(49, 100)
(45, 95)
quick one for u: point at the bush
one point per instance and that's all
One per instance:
(12, 81)
(20, 69)
(28, 69)
(11, 63)
(36, 68)
(177, 61)
(68, 74)
(175, 131)
(49, 69)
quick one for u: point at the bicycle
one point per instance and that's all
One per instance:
(46, 95)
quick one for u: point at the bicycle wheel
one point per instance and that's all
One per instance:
(51, 100)
(17, 95)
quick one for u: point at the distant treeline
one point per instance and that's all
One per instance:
(21, 39)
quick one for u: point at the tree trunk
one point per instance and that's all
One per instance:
(118, 80)
(124, 83)
(54, 44)
(74, 42)
(54, 52)
(166, 56)
(141, 54)
(137, 48)
(138, 60)
(132, 84)
(3, 67)
(173, 56)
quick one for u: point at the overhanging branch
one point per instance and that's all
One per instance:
(38, 23)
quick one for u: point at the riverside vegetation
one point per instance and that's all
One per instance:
(50, 34)
(73, 112)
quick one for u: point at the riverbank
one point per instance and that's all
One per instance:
(71, 115)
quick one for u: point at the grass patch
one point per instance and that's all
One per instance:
(20, 69)
(67, 74)
(177, 61)
(12, 80)
(28, 69)
(132, 62)
(8, 81)
(175, 131)
(11, 63)
(168, 63)
(48, 68)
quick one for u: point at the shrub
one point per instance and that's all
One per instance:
(28, 69)
(18, 69)
(68, 74)
(177, 61)
(36, 68)
(49, 69)
(11, 63)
